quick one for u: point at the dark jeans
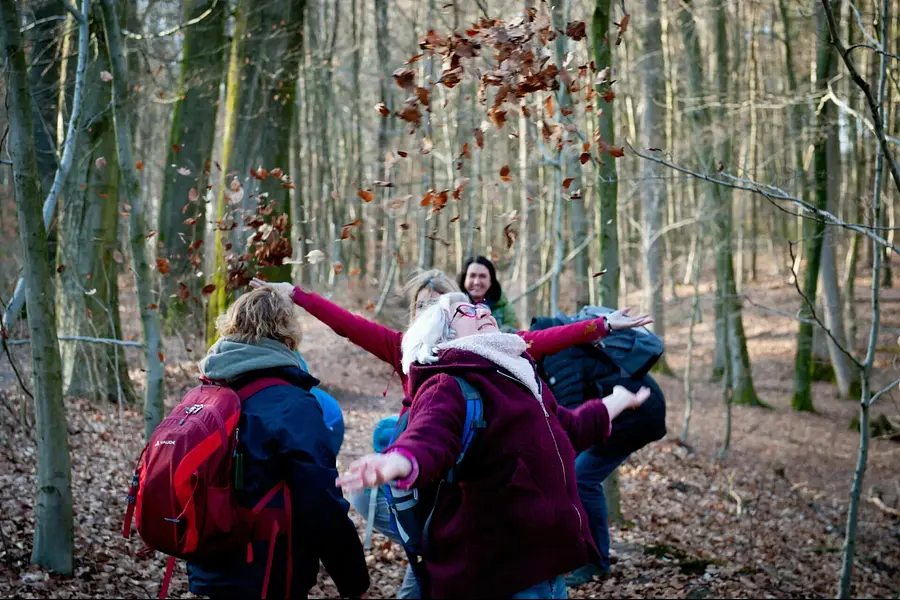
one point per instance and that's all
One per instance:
(591, 469)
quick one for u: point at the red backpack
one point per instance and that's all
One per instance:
(182, 493)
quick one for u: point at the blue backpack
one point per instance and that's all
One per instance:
(411, 510)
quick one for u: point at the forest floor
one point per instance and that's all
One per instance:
(767, 522)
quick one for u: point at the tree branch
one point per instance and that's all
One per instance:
(84, 338)
(815, 317)
(546, 276)
(81, 17)
(772, 194)
(874, 107)
(847, 109)
(18, 299)
(883, 391)
(152, 36)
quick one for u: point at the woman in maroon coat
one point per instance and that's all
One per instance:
(513, 524)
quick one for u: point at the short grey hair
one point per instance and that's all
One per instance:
(430, 328)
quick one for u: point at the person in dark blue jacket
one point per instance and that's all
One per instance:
(283, 437)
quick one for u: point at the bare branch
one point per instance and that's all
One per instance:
(815, 317)
(546, 276)
(883, 391)
(83, 338)
(874, 106)
(875, 49)
(853, 113)
(772, 194)
(152, 36)
(81, 17)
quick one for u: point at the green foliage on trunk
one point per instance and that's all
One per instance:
(182, 208)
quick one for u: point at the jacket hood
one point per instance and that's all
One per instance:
(229, 360)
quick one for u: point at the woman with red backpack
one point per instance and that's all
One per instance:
(512, 524)
(283, 438)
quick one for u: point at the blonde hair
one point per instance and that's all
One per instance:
(430, 328)
(434, 280)
(261, 314)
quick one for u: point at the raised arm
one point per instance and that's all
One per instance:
(591, 423)
(545, 342)
(378, 340)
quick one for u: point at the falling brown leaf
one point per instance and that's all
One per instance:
(277, 173)
(402, 154)
(600, 273)
(259, 174)
(380, 107)
(338, 268)
(617, 151)
(208, 289)
(192, 221)
(354, 272)
(405, 78)
(139, 165)
(366, 195)
(654, 149)
(150, 234)
(385, 184)
(100, 162)
(193, 195)
(479, 137)
(184, 171)
(548, 105)
(60, 268)
(623, 27)
(235, 185)
(584, 158)
(568, 181)
(117, 256)
(106, 76)
(423, 95)
(499, 119)
(608, 95)
(427, 145)
(161, 357)
(370, 306)
(414, 59)
(162, 265)
(576, 30)
(504, 173)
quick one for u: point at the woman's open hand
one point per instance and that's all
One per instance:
(620, 320)
(374, 470)
(285, 289)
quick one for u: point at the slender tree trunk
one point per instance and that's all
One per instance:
(607, 201)
(182, 205)
(653, 188)
(53, 530)
(218, 300)
(825, 67)
(150, 320)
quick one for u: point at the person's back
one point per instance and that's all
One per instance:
(282, 437)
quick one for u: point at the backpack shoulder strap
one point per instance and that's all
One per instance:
(474, 421)
(258, 385)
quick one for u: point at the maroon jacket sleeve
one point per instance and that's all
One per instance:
(433, 436)
(587, 425)
(378, 340)
(545, 342)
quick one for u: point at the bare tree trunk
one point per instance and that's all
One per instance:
(191, 140)
(607, 203)
(150, 320)
(826, 66)
(53, 531)
(653, 188)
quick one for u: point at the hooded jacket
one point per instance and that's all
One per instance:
(283, 437)
(514, 518)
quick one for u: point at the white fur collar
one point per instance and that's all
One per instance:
(504, 350)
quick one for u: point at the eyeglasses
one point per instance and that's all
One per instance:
(471, 310)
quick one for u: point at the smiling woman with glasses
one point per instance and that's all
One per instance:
(511, 523)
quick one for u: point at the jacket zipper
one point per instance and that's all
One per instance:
(562, 465)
